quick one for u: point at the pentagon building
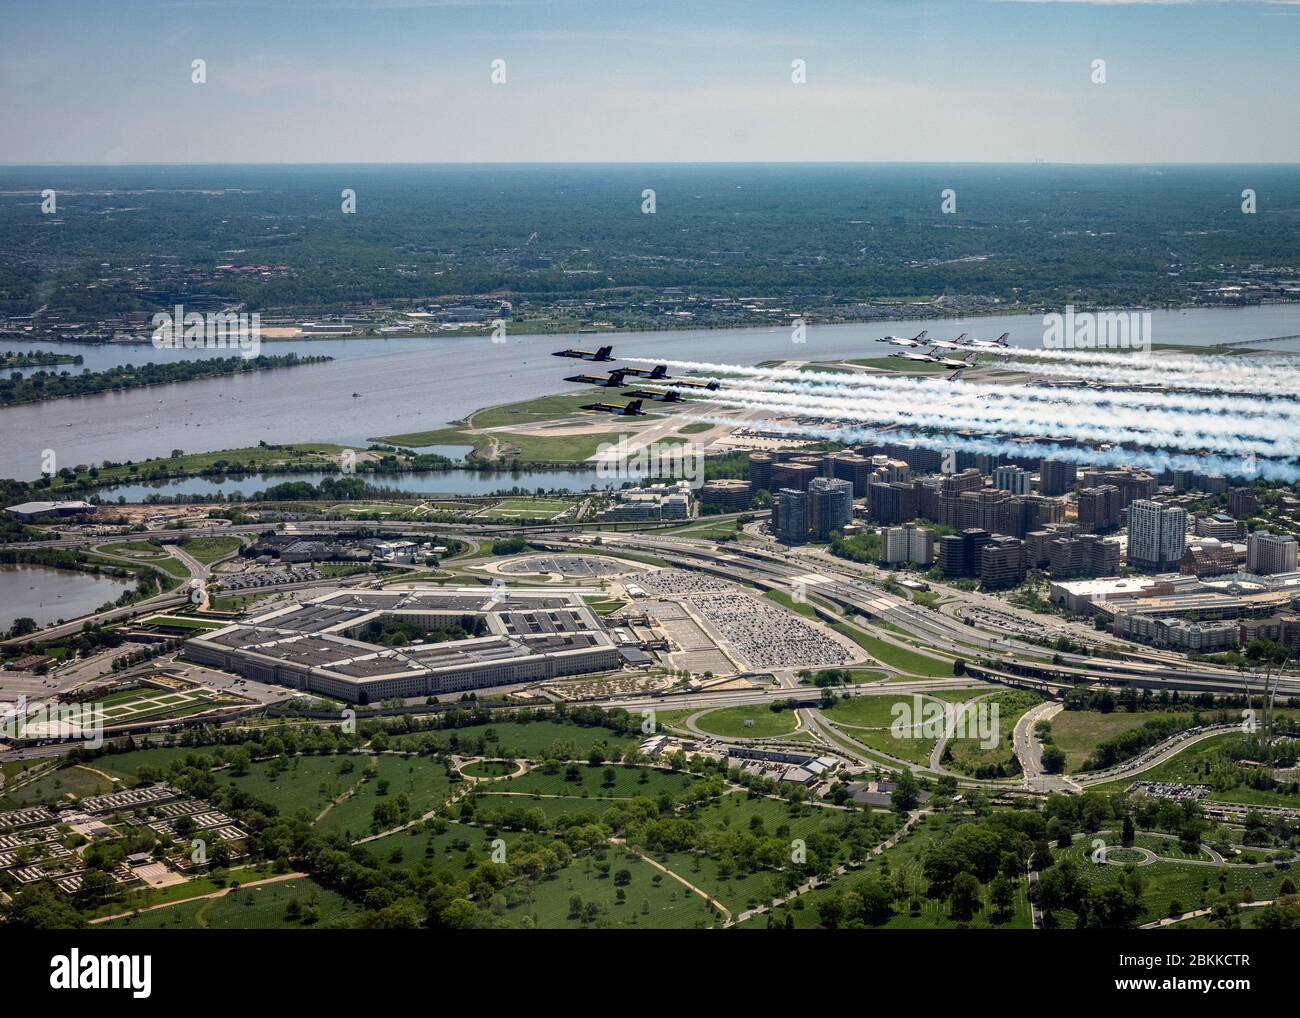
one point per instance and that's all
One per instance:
(322, 645)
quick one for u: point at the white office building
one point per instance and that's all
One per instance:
(1157, 535)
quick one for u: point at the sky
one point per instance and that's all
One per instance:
(382, 81)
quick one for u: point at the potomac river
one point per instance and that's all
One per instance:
(392, 386)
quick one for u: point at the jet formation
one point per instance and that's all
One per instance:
(619, 377)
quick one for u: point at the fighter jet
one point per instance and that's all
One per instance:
(632, 409)
(611, 381)
(988, 344)
(691, 383)
(944, 344)
(917, 340)
(663, 395)
(926, 358)
(604, 353)
(960, 364)
(659, 371)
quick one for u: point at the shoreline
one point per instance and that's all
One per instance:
(929, 313)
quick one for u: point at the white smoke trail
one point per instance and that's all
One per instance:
(1154, 460)
(848, 384)
(1135, 426)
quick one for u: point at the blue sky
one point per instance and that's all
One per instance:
(656, 81)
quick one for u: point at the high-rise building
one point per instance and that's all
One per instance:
(1099, 508)
(1002, 563)
(760, 470)
(959, 554)
(1211, 558)
(1011, 479)
(911, 545)
(1157, 535)
(1270, 553)
(1085, 555)
(951, 488)
(1132, 484)
(892, 503)
(830, 505)
(794, 474)
(728, 495)
(1242, 502)
(1056, 477)
(792, 516)
(849, 466)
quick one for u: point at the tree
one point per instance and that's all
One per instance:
(1053, 760)
(1127, 834)
(965, 897)
(1002, 895)
(907, 792)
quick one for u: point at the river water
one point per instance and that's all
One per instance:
(47, 595)
(431, 482)
(378, 387)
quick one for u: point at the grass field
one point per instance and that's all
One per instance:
(128, 765)
(548, 448)
(208, 549)
(651, 898)
(311, 783)
(786, 601)
(869, 720)
(730, 721)
(487, 768)
(60, 786)
(145, 554)
(897, 657)
(262, 907)
(529, 508)
(458, 850)
(146, 703)
(593, 782)
(535, 740)
(970, 755)
(1077, 732)
(422, 781)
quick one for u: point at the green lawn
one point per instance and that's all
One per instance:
(1077, 732)
(787, 601)
(593, 782)
(898, 657)
(60, 786)
(264, 907)
(208, 549)
(971, 755)
(487, 768)
(730, 721)
(548, 448)
(535, 740)
(651, 898)
(422, 781)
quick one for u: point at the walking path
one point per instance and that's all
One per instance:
(198, 897)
